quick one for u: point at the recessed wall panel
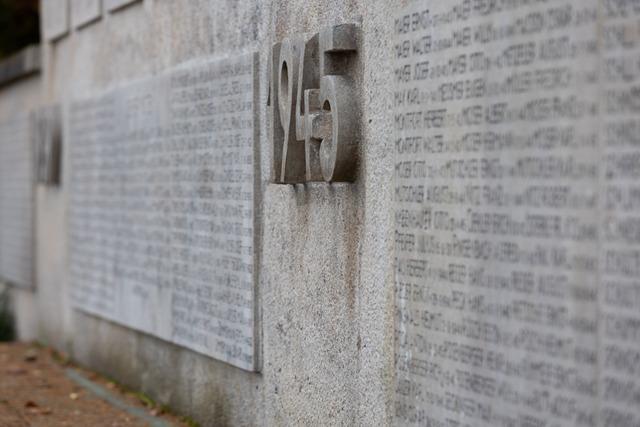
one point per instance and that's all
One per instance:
(163, 207)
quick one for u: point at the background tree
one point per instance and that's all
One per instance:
(19, 25)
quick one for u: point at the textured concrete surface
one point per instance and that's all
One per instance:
(325, 288)
(311, 338)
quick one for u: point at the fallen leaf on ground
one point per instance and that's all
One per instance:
(31, 355)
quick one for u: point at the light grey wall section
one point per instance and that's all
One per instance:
(17, 181)
(326, 254)
(312, 342)
(23, 95)
(55, 18)
(84, 12)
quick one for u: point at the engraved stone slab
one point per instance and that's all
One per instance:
(16, 201)
(517, 210)
(117, 4)
(163, 207)
(55, 18)
(84, 12)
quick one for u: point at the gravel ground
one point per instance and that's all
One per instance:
(36, 390)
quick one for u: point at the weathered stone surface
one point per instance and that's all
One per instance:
(517, 251)
(310, 321)
(84, 12)
(16, 201)
(163, 207)
(55, 18)
(117, 4)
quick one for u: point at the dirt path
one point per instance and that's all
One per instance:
(38, 389)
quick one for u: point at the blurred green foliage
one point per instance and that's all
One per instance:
(19, 25)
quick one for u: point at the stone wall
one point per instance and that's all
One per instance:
(480, 270)
(325, 251)
(20, 94)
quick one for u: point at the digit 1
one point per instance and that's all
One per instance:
(277, 138)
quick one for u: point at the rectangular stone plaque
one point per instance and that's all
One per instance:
(55, 18)
(16, 201)
(84, 12)
(517, 216)
(163, 207)
(117, 4)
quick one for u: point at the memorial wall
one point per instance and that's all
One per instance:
(17, 185)
(478, 266)
(517, 243)
(167, 258)
(163, 207)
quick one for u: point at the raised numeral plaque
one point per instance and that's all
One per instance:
(315, 109)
